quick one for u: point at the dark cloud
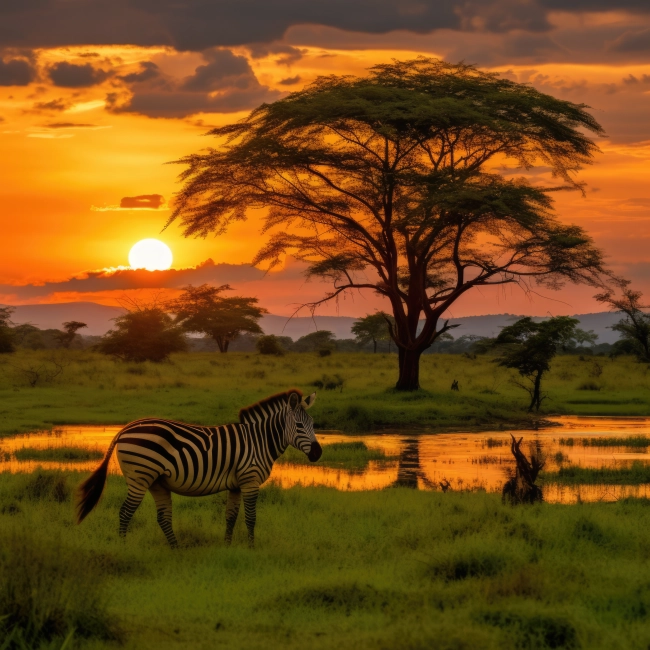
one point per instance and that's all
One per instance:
(69, 125)
(225, 83)
(151, 201)
(197, 25)
(287, 53)
(632, 42)
(289, 81)
(208, 272)
(16, 72)
(71, 75)
(148, 70)
(57, 105)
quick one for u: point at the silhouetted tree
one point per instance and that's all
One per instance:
(634, 328)
(70, 329)
(144, 334)
(203, 309)
(529, 347)
(372, 327)
(269, 345)
(388, 183)
(7, 344)
(315, 342)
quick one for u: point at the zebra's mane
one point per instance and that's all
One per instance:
(269, 401)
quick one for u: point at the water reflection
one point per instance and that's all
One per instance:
(455, 461)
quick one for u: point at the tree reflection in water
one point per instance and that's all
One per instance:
(409, 469)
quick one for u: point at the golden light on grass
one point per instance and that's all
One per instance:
(150, 254)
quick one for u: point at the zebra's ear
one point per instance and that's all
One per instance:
(308, 401)
(294, 401)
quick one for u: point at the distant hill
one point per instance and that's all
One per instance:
(98, 318)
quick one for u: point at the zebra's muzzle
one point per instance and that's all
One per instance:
(315, 452)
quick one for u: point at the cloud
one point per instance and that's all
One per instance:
(70, 125)
(71, 75)
(198, 25)
(127, 279)
(16, 72)
(149, 201)
(287, 53)
(290, 81)
(141, 202)
(53, 105)
(632, 42)
(225, 83)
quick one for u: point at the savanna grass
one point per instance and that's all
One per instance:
(65, 454)
(339, 455)
(391, 569)
(635, 474)
(210, 388)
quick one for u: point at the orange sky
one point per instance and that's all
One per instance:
(67, 150)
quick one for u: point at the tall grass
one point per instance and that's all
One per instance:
(640, 442)
(64, 454)
(391, 569)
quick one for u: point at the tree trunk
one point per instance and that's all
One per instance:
(409, 370)
(374, 342)
(536, 400)
(223, 344)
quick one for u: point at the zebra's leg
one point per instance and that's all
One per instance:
(232, 510)
(138, 485)
(133, 500)
(163, 498)
(250, 505)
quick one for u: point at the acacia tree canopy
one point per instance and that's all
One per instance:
(382, 183)
(203, 309)
(529, 347)
(372, 327)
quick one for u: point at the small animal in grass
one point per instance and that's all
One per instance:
(454, 385)
(163, 456)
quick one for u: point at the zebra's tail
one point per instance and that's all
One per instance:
(91, 489)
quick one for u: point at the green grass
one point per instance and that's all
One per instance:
(339, 455)
(640, 442)
(64, 454)
(210, 388)
(636, 474)
(378, 570)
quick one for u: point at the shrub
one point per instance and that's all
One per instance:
(269, 345)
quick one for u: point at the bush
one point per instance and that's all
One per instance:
(147, 334)
(269, 345)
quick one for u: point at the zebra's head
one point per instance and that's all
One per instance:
(300, 426)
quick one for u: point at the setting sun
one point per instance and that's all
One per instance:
(150, 254)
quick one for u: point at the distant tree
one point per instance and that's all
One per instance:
(315, 342)
(634, 328)
(373, 327)
(29, 336)
(269, 345)
(529, 347)
(391, 182)
(70, 329)
(7, 344)
(203, 309)
(144, 334)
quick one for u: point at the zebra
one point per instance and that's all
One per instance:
(164, 456)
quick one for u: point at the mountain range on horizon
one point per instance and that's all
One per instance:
(99, 320)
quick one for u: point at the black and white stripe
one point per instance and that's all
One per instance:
(163, 456)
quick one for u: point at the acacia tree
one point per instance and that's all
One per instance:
(70, 329)
(7, 339)
(372, 327)
(529, 347)
(204, 310)
(384, 183)
(634, 328)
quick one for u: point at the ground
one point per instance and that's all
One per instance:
(390, 569)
